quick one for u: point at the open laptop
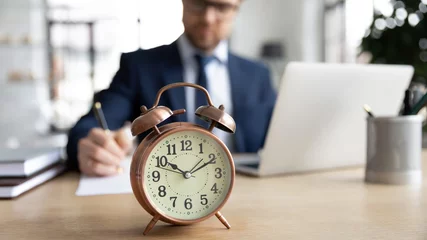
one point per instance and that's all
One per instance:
(318, 121)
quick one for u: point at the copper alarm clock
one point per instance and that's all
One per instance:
(181, 173)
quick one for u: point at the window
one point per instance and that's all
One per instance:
(346, 22)
(87, 38)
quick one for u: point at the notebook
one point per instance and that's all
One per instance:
(26, 161)
(11, 187)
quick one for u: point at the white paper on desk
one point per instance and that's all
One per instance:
(118, 184)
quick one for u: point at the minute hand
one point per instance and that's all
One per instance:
(204, 165)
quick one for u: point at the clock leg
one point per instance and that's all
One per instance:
(223, 220)
(151, 224)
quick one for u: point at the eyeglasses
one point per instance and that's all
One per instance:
(222, 9)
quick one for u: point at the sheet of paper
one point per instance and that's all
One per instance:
(118, 184)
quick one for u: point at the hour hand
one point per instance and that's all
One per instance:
(186, 175)
(167, 169)
(175, 167)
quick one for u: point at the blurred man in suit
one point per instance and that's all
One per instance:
(200, 56)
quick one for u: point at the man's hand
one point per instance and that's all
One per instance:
(100, 153)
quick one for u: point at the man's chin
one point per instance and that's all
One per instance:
(206, 45)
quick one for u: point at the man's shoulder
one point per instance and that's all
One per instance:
(249, 64)
(151, 55)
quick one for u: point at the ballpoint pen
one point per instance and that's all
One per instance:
(368, 110)
(99, 114)
(418, 94)
(408, 102)
(419, 105)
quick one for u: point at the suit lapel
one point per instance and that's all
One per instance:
(236, 83)
(172, 73)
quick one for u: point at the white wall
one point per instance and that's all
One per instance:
(295, 23)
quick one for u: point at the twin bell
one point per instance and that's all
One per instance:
(150, 118)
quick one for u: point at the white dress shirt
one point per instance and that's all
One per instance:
(218, 80)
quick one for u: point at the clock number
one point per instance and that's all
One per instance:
(173, 148)
(218, 173)
(201, 148)
(214, 189)
(203, 199)
(187, 204)
(156, 176)
(212, 158)
(186, 145)
(162, 191)
(162, 161)
(174, 200)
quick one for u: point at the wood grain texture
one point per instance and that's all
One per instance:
(327, 205)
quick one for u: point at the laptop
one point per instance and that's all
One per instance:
(319, 123)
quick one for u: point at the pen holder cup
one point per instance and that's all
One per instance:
(394, 147)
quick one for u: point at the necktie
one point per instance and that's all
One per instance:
(201, 80)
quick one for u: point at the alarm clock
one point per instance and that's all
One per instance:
(181, 173)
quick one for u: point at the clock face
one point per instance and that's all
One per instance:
(187, 175)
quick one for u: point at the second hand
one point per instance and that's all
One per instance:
(196, 165)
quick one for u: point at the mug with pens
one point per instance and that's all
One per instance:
(394, 143)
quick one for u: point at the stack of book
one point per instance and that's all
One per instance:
(25, 169)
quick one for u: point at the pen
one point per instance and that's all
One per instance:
(419, 105)
(368, 110)
(418, 94)
(99, 114)
(408, 102)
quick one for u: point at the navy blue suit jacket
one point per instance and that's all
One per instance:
(142, 73)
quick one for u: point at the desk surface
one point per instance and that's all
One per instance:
(327, 205)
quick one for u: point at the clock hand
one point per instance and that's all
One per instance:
(175, 167)
(168, 170)
(172, 171)
(204, 165)
(196, 165)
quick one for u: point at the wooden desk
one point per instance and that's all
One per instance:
(328, 205)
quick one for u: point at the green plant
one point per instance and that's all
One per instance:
(398, 35)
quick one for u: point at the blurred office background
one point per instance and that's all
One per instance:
(55, 54)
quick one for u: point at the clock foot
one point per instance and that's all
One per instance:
(151, 224)
(223, 220)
